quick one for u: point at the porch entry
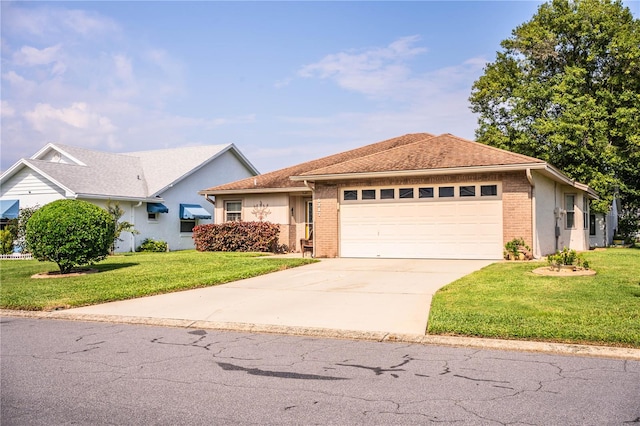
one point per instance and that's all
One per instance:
(308, 219)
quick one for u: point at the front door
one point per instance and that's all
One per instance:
(308, 219)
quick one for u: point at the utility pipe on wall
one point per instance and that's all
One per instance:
(534, 229)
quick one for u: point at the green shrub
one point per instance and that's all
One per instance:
(18, 227)
(71, 233)
(567, 257)
(512, 249)
(6, 242)
(237, 236)
(153, 246)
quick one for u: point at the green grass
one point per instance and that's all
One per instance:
(128, 276)
(506, 300)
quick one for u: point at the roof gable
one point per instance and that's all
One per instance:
(136, 175)
(164, 167)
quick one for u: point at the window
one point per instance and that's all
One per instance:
(368, 194)
(187, 225)
(152, 216)
(405, 193)
(350, 195)
(425, 192)
(468, 191)
(445, 191)
(233, 211)
(569, 206)
(387, 194)
(592, 224)
(488, 190)
(585, 211)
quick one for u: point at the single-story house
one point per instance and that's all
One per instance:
(415, 196)
(158, 189)
(602, 227)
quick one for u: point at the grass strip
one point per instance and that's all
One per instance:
(506, 300)
(129, 276)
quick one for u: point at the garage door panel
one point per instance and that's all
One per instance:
(456, 229)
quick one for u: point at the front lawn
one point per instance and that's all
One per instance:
(129, 276)
(505, 300)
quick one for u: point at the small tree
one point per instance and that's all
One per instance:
(71, 233)
(18, 227)
(116, 213)
(6, 242)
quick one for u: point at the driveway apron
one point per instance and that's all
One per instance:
(369, 295)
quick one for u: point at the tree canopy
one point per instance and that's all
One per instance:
(565, 88)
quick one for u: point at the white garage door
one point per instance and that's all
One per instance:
(468, 227)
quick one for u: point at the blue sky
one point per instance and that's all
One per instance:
(285, 81)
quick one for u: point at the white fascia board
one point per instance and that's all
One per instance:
(120, 198)
(12, 170)
(558, 176)
(244, 159)
(24, 163)
(254, 191)
(229, 147)
(422, 172)
(53, 146)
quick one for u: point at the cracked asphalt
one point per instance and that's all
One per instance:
(71, 372)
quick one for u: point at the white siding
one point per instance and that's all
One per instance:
(31, 189)
(551, 212)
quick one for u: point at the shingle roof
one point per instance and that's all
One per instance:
(440, 152)
(105, 173)
(137, 175)
(418, 151)
(163, 167)
(281, 178)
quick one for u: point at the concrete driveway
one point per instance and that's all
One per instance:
(365, 295)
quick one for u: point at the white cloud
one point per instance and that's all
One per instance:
(47, 119)
(30, 56)
(6, 110)
(374, 72)
(45, 22)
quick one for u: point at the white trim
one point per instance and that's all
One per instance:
(25, 163)
(303, 189)
(49, 146)
(228, 148)
(420, 172)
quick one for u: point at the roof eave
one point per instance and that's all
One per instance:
(120, 198)
(421, 172)
(254, 190)
(558, 176)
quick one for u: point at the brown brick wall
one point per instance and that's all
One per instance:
(325, 233)
(516, 204)
(516, 208)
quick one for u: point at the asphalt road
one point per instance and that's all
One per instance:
(56, 372)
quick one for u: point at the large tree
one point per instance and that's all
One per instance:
(565, 88)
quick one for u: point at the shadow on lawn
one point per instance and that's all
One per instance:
(113, 266)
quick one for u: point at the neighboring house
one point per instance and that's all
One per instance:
(158, 190)
(415, 196)
(602, 227)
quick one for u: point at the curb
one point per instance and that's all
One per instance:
(454, 341)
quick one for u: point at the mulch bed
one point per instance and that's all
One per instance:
(57, 274)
